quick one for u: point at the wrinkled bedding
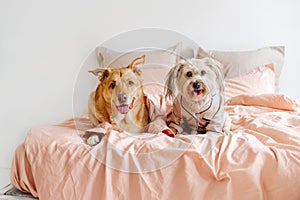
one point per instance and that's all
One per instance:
(259, 159)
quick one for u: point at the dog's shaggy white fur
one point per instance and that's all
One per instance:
(198, 88)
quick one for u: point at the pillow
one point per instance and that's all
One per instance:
(157, 62)
(257, 81)
(239, 62)
(277, 101)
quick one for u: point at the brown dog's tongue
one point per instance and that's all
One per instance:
(123, 109)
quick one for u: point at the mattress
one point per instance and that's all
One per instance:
(259, 159)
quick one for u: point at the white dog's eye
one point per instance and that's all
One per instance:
(130, 83)
(189, 74)
(203, 73)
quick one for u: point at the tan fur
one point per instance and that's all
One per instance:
(119, 90)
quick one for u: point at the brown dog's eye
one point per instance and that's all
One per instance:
(112, 85)
(203, 73)
(189, 74)
(130, 83)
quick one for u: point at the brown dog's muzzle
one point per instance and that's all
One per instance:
(124, 106)
(122, 98)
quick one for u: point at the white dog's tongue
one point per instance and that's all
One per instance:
(197, 92)
(123, 109)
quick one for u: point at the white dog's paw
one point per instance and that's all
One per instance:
(93, 140)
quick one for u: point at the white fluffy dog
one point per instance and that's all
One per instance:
(198, 88)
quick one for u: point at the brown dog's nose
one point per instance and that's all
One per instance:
(196, 85)
(122, 98)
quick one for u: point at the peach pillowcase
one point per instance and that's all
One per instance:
(239, 62)
(277, 101)
(257, 81)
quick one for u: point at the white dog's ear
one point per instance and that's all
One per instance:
(170, 85)
(216, 66)
(201, 53)
(136, 64)
(101, 73)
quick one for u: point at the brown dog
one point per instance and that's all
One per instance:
(119, 98)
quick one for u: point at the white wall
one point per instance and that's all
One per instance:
(43, 43)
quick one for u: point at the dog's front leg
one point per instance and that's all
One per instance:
(116, 127)
(174, 118)
(116, 121)
(93, 119)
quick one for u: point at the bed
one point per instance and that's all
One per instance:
(259, 159)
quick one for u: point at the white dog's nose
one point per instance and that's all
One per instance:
(197, 85)
(122, 98)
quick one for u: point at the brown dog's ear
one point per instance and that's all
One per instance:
(136, 64)
(101, 73)
(99, 56)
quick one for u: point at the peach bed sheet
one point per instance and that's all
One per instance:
(260, 159)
